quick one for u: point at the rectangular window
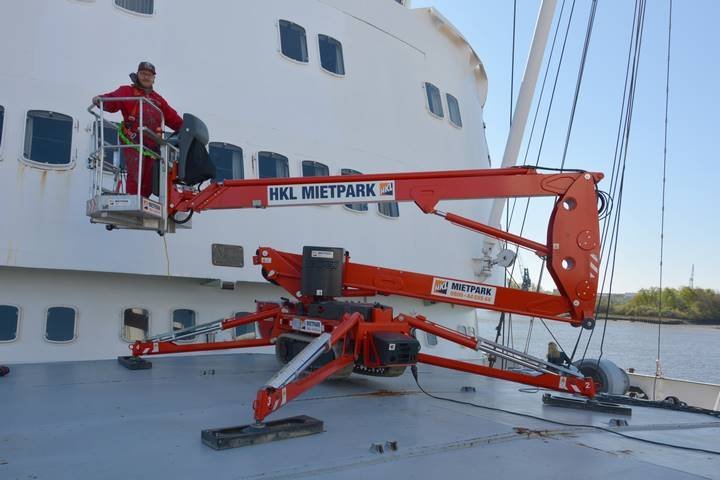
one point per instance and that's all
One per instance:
(9, 320)
(389, 209)
(60, 324)
(454, 110)
(434, 100)
(431, 339)
(331, 55)
(183, 318)
(356, 207)
(228, 160)
(244, 332)
(136, 324)
(48, 137)
(146, 7)
(293, 42)
(272, 165)
(314, 169)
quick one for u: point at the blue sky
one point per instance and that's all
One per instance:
(692, 221)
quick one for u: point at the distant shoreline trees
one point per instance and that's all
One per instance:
(697, 305)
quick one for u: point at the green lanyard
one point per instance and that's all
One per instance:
(126, 141)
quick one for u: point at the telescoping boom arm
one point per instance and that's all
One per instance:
(317, 334)
(571, 250)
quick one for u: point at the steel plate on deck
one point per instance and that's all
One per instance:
(233, 437)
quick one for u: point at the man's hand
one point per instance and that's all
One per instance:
(96, 101)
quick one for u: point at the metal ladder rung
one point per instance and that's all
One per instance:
(107, 166)
(112, 169)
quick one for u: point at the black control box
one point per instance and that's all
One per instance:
(395, 348)
(322, 271)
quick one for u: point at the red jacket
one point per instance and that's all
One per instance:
(131, 112)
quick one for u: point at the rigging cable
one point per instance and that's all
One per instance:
(550, 105)
(617, 155)
(167, 255)
(414, 371)
(507, 202)
(658, 370)
(532, 319)
(547, 118)
(508, 281)
(542, 90)
(608, 221)
(512, 62)
(622, 123)
(578, 83)
(614, 229)
(576, 96)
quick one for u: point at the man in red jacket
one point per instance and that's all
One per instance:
(142, 86)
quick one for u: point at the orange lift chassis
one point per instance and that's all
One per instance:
(317, 336)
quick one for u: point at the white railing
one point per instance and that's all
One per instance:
(102, 152)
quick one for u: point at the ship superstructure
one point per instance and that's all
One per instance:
(287, 88)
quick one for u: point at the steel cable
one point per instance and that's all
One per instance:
(658, 370)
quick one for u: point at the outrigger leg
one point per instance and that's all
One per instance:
(166, 342)
(284, 386)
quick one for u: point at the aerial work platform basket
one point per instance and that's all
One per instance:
(109, 202)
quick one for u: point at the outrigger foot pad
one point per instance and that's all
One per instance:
(134, 363)
(592, 405)
(233, 437)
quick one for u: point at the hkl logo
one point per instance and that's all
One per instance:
(386, 188)
(441, 286)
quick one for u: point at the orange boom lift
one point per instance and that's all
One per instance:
(317, 335)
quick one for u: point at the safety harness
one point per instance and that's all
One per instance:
(123, 127)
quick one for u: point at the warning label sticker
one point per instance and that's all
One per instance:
(322, 254)
(473, 292)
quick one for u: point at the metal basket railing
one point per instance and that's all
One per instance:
(105, 162)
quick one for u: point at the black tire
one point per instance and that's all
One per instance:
(608, 377)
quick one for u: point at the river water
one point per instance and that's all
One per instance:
(689, 352)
